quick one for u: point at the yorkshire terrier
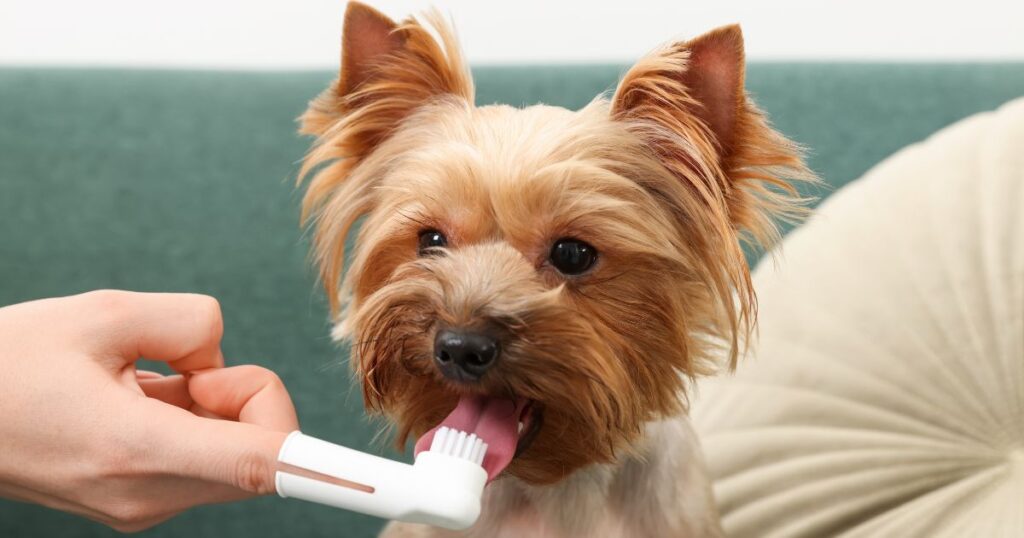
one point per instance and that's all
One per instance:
(552, 280)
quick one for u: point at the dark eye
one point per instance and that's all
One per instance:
(431, 239)
(572, 256)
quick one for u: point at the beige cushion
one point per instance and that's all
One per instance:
(886, 394)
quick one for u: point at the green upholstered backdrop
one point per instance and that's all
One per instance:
(184, 181)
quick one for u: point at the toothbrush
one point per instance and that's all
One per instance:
(442, 488)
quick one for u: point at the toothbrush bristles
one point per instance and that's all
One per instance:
(467, 451)
(459, 444)
(439, 437)
(449, 443)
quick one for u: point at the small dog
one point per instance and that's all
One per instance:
(552, 280)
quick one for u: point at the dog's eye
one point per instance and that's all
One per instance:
(572, 256)
(431, 239)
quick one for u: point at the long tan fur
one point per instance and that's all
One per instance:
(666, 180)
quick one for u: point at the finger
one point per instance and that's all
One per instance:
(171, 389)
(147, 374)
(180, 328)
(200, 411)
(246, 393)
(242, 456)
(136, 526)
(203, 492)
(174, 390)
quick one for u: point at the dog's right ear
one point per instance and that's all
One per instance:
(387, 71)
(367, 38)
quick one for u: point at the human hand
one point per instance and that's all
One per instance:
(83, 432)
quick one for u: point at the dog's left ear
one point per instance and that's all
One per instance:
(702, 77)
(688, 102)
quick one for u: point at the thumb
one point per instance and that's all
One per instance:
(240, 454)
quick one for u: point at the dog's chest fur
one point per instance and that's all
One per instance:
(662, 491)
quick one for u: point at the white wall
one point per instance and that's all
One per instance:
(304, 33)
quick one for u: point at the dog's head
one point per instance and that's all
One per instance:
(547, 278)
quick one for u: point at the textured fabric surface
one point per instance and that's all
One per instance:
(183, 181)
(886, 393)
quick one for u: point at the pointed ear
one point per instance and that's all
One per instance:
(702, 77)
(688, 102)
(714, 78)
(367, 37)
(389, 69)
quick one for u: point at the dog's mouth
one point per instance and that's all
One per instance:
(508, 426)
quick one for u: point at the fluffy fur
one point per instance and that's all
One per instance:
(666, 179)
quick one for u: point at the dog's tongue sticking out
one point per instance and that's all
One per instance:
(495, 420)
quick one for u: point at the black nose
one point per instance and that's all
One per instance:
(464, 355)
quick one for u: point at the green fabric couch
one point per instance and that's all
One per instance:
(184, 181)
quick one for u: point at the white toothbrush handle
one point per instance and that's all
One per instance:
(384, 477)
(438, 490)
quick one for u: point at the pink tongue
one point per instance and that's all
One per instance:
(495, 420)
